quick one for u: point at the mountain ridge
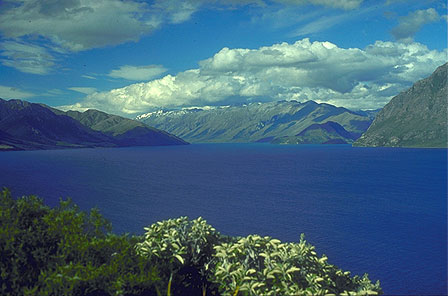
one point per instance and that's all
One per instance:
(255, 122)
(417, 117)
(30, 126)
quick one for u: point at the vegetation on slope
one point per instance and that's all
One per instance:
(416, 117)
(65, 251)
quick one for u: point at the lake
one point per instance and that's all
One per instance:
(381, 211)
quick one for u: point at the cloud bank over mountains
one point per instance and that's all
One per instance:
(352, 77)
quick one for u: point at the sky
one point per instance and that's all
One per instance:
(132, 57)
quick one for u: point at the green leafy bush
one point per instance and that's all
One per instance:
(253, 265)
(184, 248)
(256, 265)
(64, 251)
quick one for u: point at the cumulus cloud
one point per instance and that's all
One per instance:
(83, 90)
(137, 72)
(27, 58)
(7, 92)
(409, 25)
(321, 71)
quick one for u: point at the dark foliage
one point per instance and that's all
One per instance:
(65, 251)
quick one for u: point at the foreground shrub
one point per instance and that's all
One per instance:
(184, 248)
(252, 265)
(257, 265)
(65, 251)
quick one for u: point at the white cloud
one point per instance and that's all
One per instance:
(320, 24)
(137, 72)
(341, 4)
(7, 92)
(326, 22)
(304, 70)
(74, 107)
(177, 11)
(389, 2)
(77, 25)
(68, 26)
(88, 77)
(409, 25)
(83, 90)
(26, 58)
(54, 92)
(285, 17)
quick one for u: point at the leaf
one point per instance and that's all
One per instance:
(293, 269)
(236, 290)
(251, 271)
(179, 257)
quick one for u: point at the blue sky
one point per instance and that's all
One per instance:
(131, 57)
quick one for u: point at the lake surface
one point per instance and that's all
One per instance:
(382, 211)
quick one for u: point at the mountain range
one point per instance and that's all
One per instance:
(416, 117)
(30, 126)
(282, 122)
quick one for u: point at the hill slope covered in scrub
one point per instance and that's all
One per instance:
(416, 117)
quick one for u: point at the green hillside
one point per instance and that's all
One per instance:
(416, 117)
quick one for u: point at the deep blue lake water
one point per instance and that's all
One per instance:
(382, 211)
